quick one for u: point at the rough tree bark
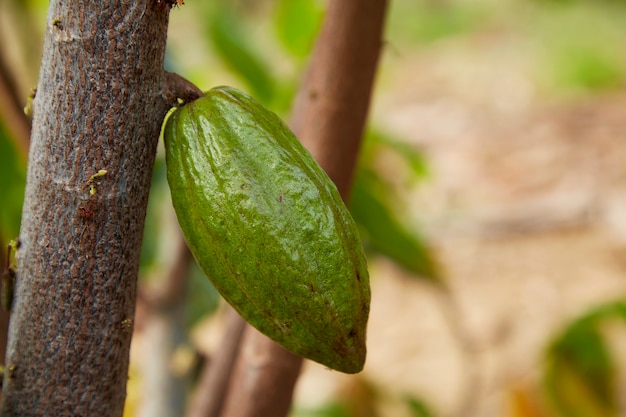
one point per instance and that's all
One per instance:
(101, 98)
(328, 117)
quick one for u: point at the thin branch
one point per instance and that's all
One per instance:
(172, 290)
(209, 395)
(161, 320)
(473, 381)
(177, 87)
(331, 106)
(328, 117)
(264, 378)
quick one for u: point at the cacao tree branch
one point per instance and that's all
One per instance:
(331, 107)
(328, 117)
(160, 319)
(172, 291)
(177, 87)
(208, 398)
(99, 106)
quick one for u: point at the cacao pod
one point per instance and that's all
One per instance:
(268, 227)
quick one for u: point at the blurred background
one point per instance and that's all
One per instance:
(491, 197)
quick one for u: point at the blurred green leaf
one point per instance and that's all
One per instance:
(383, 232)
(590, 68)
(377, 142)
(202, 297)
(618, 309)
(152, 226)
(376, 209)
(334, 409)
(579, 376)
(605, 311)
(418, 408)
(233, 44)
(429, 21)
(12, 184)
(297, 22)
(573, 58)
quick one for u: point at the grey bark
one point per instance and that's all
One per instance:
(99, 105)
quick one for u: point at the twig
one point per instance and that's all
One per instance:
(172, 290)
(264, 378)
(177, 87)
(160, 318)
(473, 382)
(209, 395)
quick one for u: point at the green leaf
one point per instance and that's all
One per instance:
(333, 409)
(604, 311)
(233, 44)
(619, 309)
(12, 184)
(579, 376)
(588, 67)
(297, 22)
(375, 207)
(202, 297)
(152, 228)
(377, 142)
(418, 408)
(382, 230)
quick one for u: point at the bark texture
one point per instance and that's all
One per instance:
(99, 105)
(331, 108)
(329, 118)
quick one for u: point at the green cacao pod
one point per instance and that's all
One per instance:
(268, 227)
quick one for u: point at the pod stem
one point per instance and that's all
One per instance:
(178, 87)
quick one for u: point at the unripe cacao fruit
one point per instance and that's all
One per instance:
(268, 227)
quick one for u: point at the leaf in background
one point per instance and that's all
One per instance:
(334, 409)
(377, 143)
(202, 297)
(297, 22)
(604, 311)
(231, 42)
(579, 376)
(12, 184)
(383, 232)
(418, 408)
(153, 224)
(414, 159)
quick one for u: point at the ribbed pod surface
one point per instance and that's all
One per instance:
(268, 227)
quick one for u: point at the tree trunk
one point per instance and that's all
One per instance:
(99, 106)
